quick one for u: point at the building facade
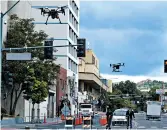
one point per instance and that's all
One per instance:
(89, 76)
(61, 88)
(63, 34)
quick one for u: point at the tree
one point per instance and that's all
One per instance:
(21, 33)
(153, 94)
(126, 87)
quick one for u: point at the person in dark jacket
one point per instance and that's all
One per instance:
(109, 115)
(130, 115)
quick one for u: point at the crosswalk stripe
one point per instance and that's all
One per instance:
(153, 127)
(165, 127)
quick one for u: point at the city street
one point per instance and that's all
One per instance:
(139, 123)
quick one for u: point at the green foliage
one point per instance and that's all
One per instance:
(40, 72)
(153, 94)
(126, 87)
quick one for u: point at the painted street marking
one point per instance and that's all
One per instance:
(116, 126)
(153, 127)
(141, 127)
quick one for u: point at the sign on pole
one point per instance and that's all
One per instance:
(160, 91)
(65, 110)
(18, 56)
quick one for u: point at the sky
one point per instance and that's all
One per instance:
(131, 32)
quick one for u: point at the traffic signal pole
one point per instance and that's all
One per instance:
(36, 47)
(1, 37)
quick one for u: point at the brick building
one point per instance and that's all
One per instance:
(61, 87)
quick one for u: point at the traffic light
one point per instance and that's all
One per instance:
(81, 49)
(4, 95)
(121, 96)
(48, 51)
(165, 66)
(27, 86)
(8, 78)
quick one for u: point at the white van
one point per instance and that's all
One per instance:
(119, 117)
(86, 109)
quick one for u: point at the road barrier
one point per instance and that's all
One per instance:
(62, 117)
(77, 121)
(70, 121)
(103, 120)
(87, 122)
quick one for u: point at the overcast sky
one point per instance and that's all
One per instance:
(131, 32)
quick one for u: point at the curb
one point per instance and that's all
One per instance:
(17, 125)
(50, 123)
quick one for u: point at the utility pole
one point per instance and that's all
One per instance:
(100, 94)
(1, 37)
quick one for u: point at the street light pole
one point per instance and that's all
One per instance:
(1, 37)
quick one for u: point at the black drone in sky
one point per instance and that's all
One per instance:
(116, 67)
(54, 13)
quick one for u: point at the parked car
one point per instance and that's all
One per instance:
(119, 117)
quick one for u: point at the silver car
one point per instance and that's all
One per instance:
(119, 117)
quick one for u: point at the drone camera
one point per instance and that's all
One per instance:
(53, 14)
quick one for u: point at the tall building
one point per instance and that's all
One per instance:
(89, 76)
(63, 34)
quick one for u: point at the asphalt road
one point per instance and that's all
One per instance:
(139, 123)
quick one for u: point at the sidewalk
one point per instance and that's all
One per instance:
(49, 121)
(15, 126)
(52, 121)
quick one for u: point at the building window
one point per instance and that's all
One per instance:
(69, 63)
(93, 59)
(80, 61)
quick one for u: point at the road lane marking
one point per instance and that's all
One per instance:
(153, 127)
(116, 126)
(153, 121)
(141, 127)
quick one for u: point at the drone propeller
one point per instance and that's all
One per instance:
(44, 10)
(63, 10)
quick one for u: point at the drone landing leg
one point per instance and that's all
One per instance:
(59, 20)
(47, 19)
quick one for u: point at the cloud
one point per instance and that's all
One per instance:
(131, 14)
(130, 32)
(133, 46)
(135, 79)
(156, 74)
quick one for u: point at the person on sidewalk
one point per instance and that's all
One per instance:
(109, 115)
(130, 115)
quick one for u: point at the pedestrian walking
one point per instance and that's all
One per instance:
(130, 115)
(109, 115)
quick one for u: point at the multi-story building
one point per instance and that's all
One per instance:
(62, 34)
(89, 76)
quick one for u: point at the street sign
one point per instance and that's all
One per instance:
(161, 91)
(18, 56)
(95, 102)
(65, 110)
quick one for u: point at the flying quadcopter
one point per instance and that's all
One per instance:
(54, 13)
(116, 67)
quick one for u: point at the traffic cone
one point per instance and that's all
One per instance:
(44, 119)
